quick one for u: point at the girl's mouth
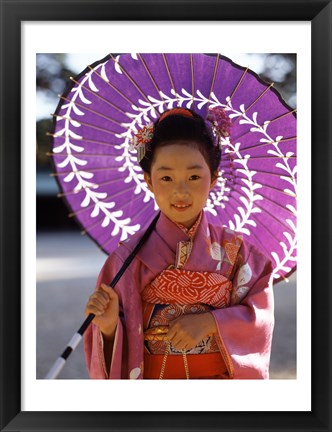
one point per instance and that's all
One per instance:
(181, 206)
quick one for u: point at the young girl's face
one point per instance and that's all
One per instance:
(181, 180)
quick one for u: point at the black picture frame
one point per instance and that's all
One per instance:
(13, 12)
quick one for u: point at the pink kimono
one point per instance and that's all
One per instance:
(238, 292)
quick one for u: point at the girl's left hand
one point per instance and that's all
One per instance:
(187, 331)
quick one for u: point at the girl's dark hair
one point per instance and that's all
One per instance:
(176, 128)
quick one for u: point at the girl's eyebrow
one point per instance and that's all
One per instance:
(192, 167)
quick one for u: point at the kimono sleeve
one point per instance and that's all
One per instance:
(93, 340)
(245, 328)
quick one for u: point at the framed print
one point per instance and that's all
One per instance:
(30, 403)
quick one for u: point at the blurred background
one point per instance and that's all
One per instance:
(68, 262)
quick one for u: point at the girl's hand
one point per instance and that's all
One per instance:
(187, 331)
(104, 303)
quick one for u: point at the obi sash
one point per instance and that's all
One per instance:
(185, 287)
(180, 292)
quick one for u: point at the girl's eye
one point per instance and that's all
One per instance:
(194, 177)
(166, 178)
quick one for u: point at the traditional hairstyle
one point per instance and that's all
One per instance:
(178, 126)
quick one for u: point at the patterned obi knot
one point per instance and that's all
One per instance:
(185, 287)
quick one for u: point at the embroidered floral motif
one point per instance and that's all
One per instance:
(244, 275)
(231, 250)
(239, 294)
(217, 253)
(135, 373)
(240, 289)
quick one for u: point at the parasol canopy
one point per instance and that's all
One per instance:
(112, 99)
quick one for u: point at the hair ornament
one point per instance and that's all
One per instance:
(221, 123)
(176, 111)
(141, 139)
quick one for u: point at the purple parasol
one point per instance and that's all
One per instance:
(112, 99)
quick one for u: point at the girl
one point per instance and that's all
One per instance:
(196, 302)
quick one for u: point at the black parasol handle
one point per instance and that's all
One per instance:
(75, 340)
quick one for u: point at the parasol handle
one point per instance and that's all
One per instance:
(77, 337)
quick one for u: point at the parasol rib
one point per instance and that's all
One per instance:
(103, 245)
(171, 79)
(108, 102)
(192, 80)
(84, 124)
(252, 104)
(269, 143)
(134, 83)
(230, 218)
(67, 193)
(89, 207)
(88, 109)
(235, 183)
(261, 223)
(82, 140)
(151, 78)
(237, 86)
(92, 170)
(236, 191)
(226, 161)
(235, 138)
(258, 98)
(271, 173)
(280, 221)
(214, 75)
(112, 86)
(102, 155)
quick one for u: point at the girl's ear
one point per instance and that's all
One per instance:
(147, 179)
(214, 179)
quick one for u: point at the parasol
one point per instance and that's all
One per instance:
(115, 97)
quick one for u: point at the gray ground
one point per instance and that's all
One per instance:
(67, 267)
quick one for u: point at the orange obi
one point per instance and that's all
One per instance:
(200, 366)
(185, 287)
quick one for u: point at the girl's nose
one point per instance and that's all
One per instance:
(181, 189)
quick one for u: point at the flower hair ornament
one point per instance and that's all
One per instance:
(220, 121)
(141, 139)
(144, 136)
